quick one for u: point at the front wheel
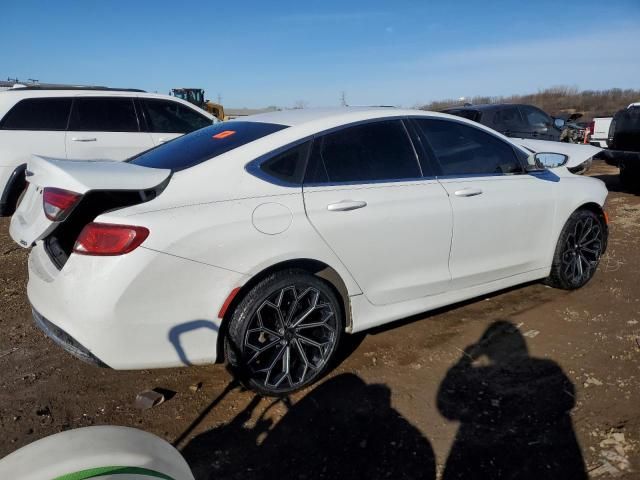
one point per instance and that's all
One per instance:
(284, 333)
(578, 251)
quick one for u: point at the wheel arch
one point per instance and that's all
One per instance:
(312, 266)
(599, 211)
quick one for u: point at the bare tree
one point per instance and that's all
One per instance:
(300, 104)
(343, 99)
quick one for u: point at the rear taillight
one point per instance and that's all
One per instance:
(591, 127)
(109, 239)
(58, 203)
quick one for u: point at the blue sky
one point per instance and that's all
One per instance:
(257, 53)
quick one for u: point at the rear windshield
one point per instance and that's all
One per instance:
(203, 144)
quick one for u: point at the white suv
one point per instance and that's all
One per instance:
(84, 124)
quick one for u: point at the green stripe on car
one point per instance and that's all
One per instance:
(102, 471)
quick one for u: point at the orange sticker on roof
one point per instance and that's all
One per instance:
(224, 134)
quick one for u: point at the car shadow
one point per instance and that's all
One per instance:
(513, 411)
(343, 429)
(613, 183)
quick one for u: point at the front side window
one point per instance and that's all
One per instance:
(376, 151)
(38, 114)
(165, 116)
(204, 144)
(535, 117)
(466, 150)
(103, 114)
(507, 118)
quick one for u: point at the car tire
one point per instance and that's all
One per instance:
(630, 178)
(284, 333)
(580, 245)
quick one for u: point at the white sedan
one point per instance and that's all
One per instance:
(262, 241)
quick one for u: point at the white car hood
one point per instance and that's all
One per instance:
(577, 153)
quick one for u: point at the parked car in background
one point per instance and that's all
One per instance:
(252, 240)
(84, 124)
(624, 145)
(512, 120)
(600, 135)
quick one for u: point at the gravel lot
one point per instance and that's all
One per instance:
(404, 401)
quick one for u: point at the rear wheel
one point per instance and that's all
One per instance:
(284, 333)
(578, 251)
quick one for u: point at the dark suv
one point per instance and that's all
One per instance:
(624, 146)
(520, 121)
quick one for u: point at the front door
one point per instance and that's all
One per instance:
(502, 215)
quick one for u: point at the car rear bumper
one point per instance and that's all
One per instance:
(141, 310)
(64, 340)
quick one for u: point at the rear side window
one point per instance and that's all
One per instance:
(103, 114)
(204, 144)
(288, 166)
(164, 116)
(38, 114)
(466, 150)
(375, 151)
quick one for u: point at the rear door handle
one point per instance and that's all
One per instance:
(468, 192)
(346, 205)
(84, 139)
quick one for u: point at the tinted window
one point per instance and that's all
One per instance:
(165, 116)
(288, 166)
(38, 114)
(204, 144)
(507, 118)
(104, 114)
(465, 150)
(316, 171)
(536, 117)
(465, 113)
(369, 152)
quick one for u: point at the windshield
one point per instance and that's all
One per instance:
(204, 144)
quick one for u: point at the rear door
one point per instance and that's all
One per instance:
(167, 119)
(502, 215)
(105, 128)
(391, 227)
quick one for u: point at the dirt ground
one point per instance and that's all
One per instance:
(405, 401)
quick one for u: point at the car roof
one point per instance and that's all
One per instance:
(486, 106)
(302, 116)
(8, 98)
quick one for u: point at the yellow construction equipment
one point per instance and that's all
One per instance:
(196, 96)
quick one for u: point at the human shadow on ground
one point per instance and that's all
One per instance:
(343, 429)
(513, 411)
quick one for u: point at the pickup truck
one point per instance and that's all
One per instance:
(600, 133)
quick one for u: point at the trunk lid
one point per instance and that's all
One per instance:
(30, 223)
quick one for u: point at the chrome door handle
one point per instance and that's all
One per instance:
(346, 205)
(468, 192)
(84, 139)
